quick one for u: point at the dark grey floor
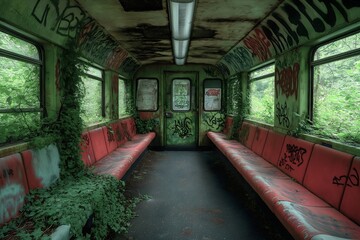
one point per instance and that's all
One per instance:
(194, 195)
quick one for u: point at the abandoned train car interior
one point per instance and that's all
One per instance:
(180, 119)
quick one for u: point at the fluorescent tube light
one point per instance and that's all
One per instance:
(181, 17)
(180, 48)
(179, 61)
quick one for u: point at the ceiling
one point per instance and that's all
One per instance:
(142, 26)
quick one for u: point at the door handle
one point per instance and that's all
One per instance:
(168, 114)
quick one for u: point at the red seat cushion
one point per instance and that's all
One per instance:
(98, 142)
(247, 134)
(272, 148)
(304, 222)
(119, 161)
(110, 137)
(325, 167)
(294, 157)
(87, 152)
(350, 203)
(13, 186)
(259, 140)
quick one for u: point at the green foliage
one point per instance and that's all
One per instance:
(262, 100)
(145, 126)
(91, 104)
(72, 201)
(19, 92)
(129, 100)
(80, 193)
(305, 125)
(336, 98)
(122, 98)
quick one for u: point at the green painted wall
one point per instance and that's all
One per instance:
(207, 120)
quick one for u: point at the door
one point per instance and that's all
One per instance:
(181, 109)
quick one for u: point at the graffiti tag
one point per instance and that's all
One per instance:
(282, 114)
(352, 180)
(287, 80)
(293, 157)
(259, 45)
(215, 121)
(182, 127)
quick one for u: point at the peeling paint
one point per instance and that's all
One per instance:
(11, 200)
(46, 164)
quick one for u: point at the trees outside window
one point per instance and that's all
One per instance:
(261, 94)
(336, 90)
(92, 105)
(20, 84)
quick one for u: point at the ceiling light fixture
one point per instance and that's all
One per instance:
(181, 18)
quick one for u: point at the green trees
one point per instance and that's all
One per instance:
(336, 89)
(19, 89)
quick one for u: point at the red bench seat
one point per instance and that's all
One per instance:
(312, 189)
(113, 150)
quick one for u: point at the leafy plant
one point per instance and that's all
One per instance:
(305, 125)
(72, 202)
(80, 194)
(145, 125)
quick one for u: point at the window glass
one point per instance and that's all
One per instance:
(122, 98)
(340, 46)
(91, 106)
(261, 95)
(18, 46)
(212, 95)
(336, 88)
(20, 95)
(181, 100)
(147, 95)
(262, 72)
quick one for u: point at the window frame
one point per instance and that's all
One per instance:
(334, 58)
(40, 63)
(120, 78)
(157, 95)
(102, 80)
(172, 95)
(221, 97)
(259, 78)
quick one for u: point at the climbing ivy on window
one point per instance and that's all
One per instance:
(20, 88)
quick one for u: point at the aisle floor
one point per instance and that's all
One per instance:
(192, 196)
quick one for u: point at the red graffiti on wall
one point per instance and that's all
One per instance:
(85, 32)
(116, 58)
(259, 45)
(115, 83)
(287, 80)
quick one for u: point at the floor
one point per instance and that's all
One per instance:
(196, 195)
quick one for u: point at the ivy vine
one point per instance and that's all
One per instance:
(80, 196)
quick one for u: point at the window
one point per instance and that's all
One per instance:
(122, 98)
(20, 91)
(181, 94)
(92, 110)
(147, 95)
(261, 94)
(212, 94)
(335, 88)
